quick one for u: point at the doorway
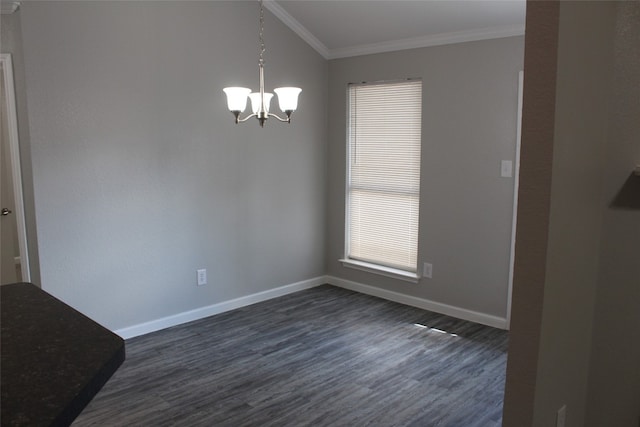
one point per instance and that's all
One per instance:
(14, 258)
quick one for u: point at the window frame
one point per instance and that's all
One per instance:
(354, 263)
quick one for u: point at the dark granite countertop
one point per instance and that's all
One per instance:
(53, 358)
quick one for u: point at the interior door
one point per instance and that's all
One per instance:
(14, 255)
(9, 250)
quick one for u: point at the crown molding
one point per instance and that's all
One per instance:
(427, 41)
(7, 7)
(393, 45)
(297, 28)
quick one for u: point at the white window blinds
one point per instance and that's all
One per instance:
(383, 188)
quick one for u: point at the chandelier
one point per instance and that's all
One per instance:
(237, 96)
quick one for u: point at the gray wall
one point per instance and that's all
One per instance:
(140, 175)
(469, 126)
(576, 325)
(536, 161)
(11, 42)
(614, 381)
(575, 217)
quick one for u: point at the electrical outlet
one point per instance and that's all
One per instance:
(202, 277)
(561, 416)
(427, 270)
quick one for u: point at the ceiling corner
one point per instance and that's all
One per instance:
(297, 27)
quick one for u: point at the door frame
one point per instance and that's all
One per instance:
(516, 185)
(16, 171)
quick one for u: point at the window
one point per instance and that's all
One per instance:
(383, 177)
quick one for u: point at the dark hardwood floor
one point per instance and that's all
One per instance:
(320, 357)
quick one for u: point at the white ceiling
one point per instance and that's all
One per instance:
(341, 28)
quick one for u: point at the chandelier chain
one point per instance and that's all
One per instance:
(262, 48)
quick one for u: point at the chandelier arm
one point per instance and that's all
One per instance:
(238, 120)
(287, 120)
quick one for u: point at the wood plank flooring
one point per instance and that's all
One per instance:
(320, 357)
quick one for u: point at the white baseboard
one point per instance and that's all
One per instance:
(425, 304)
(200, 313)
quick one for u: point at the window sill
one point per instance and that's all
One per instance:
(381, 270)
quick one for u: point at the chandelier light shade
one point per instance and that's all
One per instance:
(237, 98)
(260, 101)
(257, 101)
(288, 98)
